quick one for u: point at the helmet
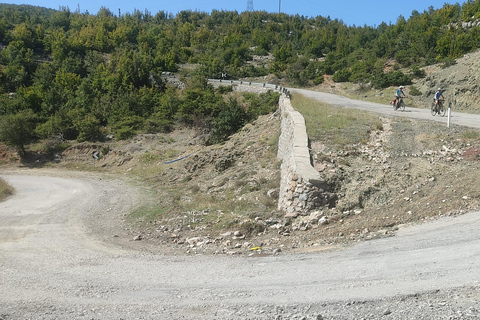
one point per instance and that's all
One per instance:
(439, 89)
(401, 87)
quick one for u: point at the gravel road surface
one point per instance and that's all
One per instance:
(54, 265)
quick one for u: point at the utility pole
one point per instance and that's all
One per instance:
(279, 4)
(249, 5)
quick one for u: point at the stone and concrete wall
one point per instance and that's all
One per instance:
(301, 187)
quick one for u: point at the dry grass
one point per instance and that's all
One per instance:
(5, 189)
(340, 126)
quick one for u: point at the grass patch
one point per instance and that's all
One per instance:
(471, 135)
(339, 126)
(146, 214)
(5, 189)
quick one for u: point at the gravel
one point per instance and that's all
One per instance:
(55, 266)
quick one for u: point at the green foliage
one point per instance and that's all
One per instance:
(57, 124)
(18, 130)
(261, 104)
(127, 127)
(83, 74)
(394, 78)
(124, 133)
(158, 124)
(342, 75)
(224, 89)
(414, 91)
(318, 80)
(416, 72)
(231, 118)
(87, 126)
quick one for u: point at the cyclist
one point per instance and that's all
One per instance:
(399, 94)
(438, 96)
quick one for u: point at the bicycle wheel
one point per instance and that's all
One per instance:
(433, 109)
(442, 110)
(401, 106)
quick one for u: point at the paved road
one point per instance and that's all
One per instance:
(457, 118)
(51, 265)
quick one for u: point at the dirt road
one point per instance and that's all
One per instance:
(53, 266)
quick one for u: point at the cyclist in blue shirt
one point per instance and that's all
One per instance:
(399, 94)
(438, 96)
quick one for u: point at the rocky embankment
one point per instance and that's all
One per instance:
(460, 82)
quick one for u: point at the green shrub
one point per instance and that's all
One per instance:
(394, 78)
(18, 130)
(414, 91)
(127, 127)
(224, 89)
(88, 129)
(154, 125)
(261, 104)
(231, 118)
(105, 150)
(416, 72)
(342, 75)
(318, 80)
(124, 133)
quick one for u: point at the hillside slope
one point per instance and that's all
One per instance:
(460, 82)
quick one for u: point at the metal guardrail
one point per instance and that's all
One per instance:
(249, 83)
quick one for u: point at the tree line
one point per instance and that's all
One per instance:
(85, 76)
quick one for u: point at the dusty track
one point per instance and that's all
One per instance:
(52, 267)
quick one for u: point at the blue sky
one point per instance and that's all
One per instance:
(352, 12)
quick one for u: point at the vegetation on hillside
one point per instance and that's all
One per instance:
(86, 76)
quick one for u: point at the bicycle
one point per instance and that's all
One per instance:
(439, 109)
(400, 105)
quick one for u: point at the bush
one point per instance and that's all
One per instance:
(154, 125)
(18, 130)
(5, 189)
(88, 129)
(318, 80)
(261, 104)
(342, 75)
(414, 91)
(416, 72)
(231, 118)
(124, 133)
(395, 78)
(224, 89)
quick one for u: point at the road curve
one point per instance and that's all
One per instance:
(457, 118)
(53, 267)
